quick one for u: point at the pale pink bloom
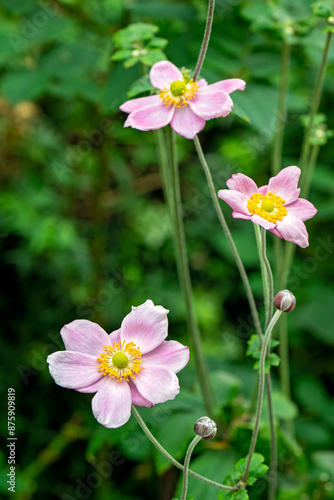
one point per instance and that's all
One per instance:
(276, 207)
(134, 365)
(186, 106)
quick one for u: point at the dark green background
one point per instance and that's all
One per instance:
(84, 233)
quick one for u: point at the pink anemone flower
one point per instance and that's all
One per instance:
(134, 365)
(276, 207)
(186, 105)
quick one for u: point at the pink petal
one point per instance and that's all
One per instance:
(170, 354)
(84, 336)
(141, 102)
(238, 215)
(285, 184)
(73, 370)
(228, 86)
(146, 326)
(293, 229)
(157, 384)
(263, 189)
(137, 398)
(151, 117)
(92, 388)
(115, 336)
(164, 72)
(186, 123)
(262, 222)
(235, 199)
(242, 183)
(202, 83)
(210, 105)
(303, 209)
(111, 405)
(276, 232)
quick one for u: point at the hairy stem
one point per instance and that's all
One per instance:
(229, 238)
(263, 356)
(186, 466)
(206, 39)
(184, 272)
(315, 105)
(171, 459)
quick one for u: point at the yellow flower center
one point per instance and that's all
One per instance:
(120, 360)
(268, 206)
(178, 93)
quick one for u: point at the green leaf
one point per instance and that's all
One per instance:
(240, 113)
(133, 34)
(323, 8)
(143, 84)
(158, 43)
(153, 56)
(233, 495)
(254, 350)
(257, 468)
(119, 55)
(284, 408)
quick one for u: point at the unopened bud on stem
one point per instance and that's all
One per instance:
(285, 301)
(205, 427)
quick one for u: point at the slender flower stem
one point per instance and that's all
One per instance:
(171, 459)
(183, 267)
(229, 238)
(269, 277)
(307, 164)
(206, 39)
(186, 466)
(263, 269)
(281, 110)
(267, 282)
(305, 185)
(279, 136)
(263, 356)
(315, 104)
(273, 442)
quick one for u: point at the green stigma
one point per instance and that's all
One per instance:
(120, 360)
(268, 205)
(178, 87)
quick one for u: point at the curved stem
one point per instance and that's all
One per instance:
(206, 39)
(263, 356)
(186, 466)
(229, 238)
(171, 459)
(184, 272)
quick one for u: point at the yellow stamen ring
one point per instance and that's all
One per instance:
(178, 93)
(268, 206)
(120, 360)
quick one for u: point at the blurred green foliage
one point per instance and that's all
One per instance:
(85, 233)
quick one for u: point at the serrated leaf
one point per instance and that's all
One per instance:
(257, 468)
(272, 360)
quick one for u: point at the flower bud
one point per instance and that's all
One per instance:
(285, 301)
(205, 427)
